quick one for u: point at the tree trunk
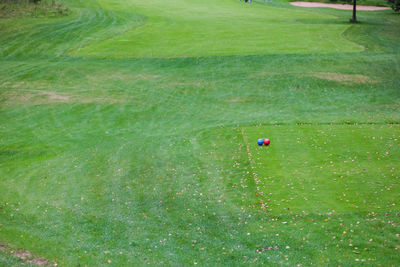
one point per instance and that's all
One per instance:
(354, 19)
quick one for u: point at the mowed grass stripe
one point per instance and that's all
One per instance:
(182, 28)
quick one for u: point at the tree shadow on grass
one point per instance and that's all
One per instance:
(328, 21)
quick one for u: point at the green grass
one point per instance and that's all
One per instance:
(307, 170)
(8, 260)
(125, 130)
(182, 28)
(26, 8)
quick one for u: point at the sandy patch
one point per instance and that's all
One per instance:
(338, 6)
(343, 78)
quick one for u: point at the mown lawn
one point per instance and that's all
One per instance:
(128, 135)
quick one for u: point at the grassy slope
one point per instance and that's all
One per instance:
(191, 28)
(138, 160)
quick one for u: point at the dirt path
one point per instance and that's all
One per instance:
(338, 6)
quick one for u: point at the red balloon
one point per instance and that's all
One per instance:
(266, 142)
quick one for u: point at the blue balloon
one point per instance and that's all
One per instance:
(260, 142)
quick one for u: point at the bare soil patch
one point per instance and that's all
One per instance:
(121, 76)
(43, 97)
(27, 257)
(267, 249)
(191, 84)
(344, 78)
(239, 99)
(338, 6)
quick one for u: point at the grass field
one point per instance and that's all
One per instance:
(128, 135)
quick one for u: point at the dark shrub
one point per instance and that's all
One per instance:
(395, 4)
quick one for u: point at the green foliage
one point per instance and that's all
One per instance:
(395, 4)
